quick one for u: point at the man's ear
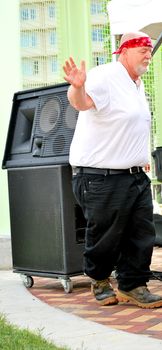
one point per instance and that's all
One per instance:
(124, 50)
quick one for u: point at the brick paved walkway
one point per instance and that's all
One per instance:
(122, 316)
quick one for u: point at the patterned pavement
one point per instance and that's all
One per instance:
(80, 302)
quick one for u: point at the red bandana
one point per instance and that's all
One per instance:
(136, 42)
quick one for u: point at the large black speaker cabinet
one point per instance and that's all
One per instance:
(41, 127)
(158, 229)
(157, 155)
(47, 226)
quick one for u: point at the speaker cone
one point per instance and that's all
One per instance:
(50, 114)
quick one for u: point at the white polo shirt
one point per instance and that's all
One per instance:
(115, 134)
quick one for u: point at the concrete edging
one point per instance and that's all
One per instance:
(6, 253)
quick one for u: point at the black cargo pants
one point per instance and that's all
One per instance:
(120, 232)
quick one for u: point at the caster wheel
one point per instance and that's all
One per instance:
(27, 281)
(67, 284)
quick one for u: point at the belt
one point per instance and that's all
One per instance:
(87, 170)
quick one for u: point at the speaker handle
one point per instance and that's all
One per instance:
(37, 145)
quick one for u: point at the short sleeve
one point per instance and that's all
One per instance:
(97, 88)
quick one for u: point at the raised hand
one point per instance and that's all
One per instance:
(74, 75)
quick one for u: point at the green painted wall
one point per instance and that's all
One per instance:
(10, 82)
(74, 31)
(158, 95)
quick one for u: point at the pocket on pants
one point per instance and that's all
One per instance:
(78, 190)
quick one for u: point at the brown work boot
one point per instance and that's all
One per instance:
(141, 297)
(103, 292)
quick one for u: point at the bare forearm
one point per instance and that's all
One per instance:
(76, 92)
(79, 99)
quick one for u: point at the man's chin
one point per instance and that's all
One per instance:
(142, 70)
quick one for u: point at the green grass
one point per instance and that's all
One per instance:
(13, 338)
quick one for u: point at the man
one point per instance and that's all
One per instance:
(108, 153)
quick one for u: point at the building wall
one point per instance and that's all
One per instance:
(51, 31)
(10, 82)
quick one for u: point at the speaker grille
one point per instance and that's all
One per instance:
(70, 117)
(55, 124)
(41, 127)
(50, 114)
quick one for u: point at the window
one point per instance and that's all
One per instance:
(24, 40)
(97, 34)
(52, 37)
(96, 7)
(30, 68)
(33, 14)
(35, 68)
(99, 58)
(33, 39)
(27, 14)
(54, 64)
(24, 14)
(26, 68)
(28, 40)
(52, 11)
